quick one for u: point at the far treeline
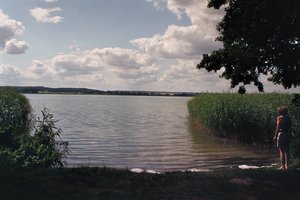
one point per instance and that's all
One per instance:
(48, 90)
(248, 118)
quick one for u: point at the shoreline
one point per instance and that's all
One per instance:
(110, 183)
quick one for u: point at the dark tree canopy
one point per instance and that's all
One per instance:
(259, 37)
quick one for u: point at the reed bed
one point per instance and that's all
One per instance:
(248, 118)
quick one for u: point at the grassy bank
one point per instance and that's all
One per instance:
(248, 118)
(106, 183)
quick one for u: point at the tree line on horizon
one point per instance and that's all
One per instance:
(48, 90)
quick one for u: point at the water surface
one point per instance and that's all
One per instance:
(139, 132)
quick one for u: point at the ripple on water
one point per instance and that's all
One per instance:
(150, 133)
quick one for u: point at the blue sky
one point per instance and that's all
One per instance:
(110, 44)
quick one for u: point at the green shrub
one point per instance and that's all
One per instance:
(25, 140)
(45, 147)
(15, 112)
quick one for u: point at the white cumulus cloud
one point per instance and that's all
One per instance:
(184, 42)
(120, 58)
(10, 28)
(45, 15)
(118, 65)
(14, 46)
(178, 42)
(195, 10)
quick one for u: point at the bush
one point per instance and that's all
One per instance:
(28, 141)
(45, 147)
(15, 112)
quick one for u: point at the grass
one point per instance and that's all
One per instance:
(107, 183)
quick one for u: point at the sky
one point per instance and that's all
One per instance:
(150, 45)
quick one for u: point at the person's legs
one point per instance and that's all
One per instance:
(286, 156)
(282, 157)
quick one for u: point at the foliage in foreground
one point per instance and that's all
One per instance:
(15, 112)
(28, 141)
(248, 118)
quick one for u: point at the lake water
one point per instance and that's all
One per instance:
(144, 132)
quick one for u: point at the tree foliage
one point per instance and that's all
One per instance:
(260, 37)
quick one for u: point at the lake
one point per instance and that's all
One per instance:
(147, 132)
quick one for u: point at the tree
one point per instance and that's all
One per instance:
(260, 37)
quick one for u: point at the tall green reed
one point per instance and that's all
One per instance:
(248, 118)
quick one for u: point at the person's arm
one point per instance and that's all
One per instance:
(277, 128)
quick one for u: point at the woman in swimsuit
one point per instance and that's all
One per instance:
(283, 135)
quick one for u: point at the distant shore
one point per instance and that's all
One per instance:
(86, 91)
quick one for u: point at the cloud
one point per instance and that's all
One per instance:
(72, 64)
(183, 74)
(184, 42)
(9, 75)
(120, 58)
(141, 76)
(195, 10)
(178, 42)
(115, 64)
(44, 15)
(40, 68)
(46, 72)
(8, 29)
(13, 46)
(50, 1)
(157, 4)
(9, 70)
(98, 59)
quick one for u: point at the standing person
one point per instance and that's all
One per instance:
(283, 135)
